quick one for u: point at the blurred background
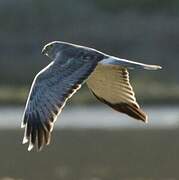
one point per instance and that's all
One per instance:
(91, 141)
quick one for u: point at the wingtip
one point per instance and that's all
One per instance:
(25, 140)
(22, 125)
(31, 146)
(145, 120)
(39, 149)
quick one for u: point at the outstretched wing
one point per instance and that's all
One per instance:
(49, 92)
(110, 84)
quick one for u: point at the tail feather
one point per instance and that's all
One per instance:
(111, 60)
(151, 67)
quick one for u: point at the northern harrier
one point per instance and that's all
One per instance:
(72, 65)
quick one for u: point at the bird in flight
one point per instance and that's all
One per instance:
(72, 65)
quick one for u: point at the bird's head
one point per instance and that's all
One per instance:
(55, 48)
(51, 49)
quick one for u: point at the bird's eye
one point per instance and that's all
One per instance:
(49, 47)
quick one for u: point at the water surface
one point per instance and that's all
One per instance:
(98, 117)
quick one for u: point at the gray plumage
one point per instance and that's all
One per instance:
(71, 66)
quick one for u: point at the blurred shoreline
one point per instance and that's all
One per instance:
(98, 117)
(153, 94)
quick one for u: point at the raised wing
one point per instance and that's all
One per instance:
(49, 92)
(110, 84)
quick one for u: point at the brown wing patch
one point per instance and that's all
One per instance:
(131, 109)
